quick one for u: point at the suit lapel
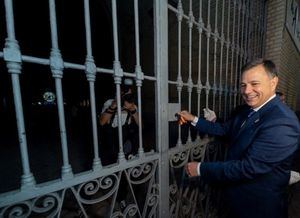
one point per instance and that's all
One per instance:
(255, 118)
(249, 123)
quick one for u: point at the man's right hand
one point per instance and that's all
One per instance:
(187, 116)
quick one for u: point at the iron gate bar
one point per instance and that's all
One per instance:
(179, 83)
(237, 49)
(199, 87)
(190, 81)
(231, 61)
(139, 76)
(215, 58)
(56, 65)
(161, 99)
(226, 89)
(222, 41)
(208, 35)
(118, 74)
(90, 70)
(12, 56)
(241, 45)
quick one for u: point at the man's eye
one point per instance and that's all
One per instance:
(255, 84)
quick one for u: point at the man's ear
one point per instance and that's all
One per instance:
(274, 82)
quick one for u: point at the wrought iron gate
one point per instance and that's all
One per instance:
(182, 53)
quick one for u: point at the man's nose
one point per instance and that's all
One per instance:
(246, 89)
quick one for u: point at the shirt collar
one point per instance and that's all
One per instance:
(256, 109)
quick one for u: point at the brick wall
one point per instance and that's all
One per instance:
(289, 70)
(274, 29)
(281, 49)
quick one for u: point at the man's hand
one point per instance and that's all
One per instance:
(294, 177)
(209, 115)
(113, 105)
(129, 106)
(186, 116)
(191, 169)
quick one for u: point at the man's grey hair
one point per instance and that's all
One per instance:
(269, 66)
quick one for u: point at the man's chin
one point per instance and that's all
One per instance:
(250, 103)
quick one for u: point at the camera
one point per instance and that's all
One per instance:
(127, 97)
(126, 88)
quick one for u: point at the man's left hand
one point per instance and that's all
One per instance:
(191, 169)
(209, 115)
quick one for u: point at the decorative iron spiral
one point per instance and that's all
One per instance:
(98, 190)
(19, 210)
(142, 173)
(197, 152)
(46, 203)
(180, 159)
(130, 210)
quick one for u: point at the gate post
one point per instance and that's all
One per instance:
(161, 99)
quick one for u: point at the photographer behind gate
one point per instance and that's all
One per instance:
(109, 125)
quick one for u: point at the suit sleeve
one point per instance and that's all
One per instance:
(272, 144)
(212, 128)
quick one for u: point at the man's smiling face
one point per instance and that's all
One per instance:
(257, 86)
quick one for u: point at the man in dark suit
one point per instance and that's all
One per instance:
(263, 138)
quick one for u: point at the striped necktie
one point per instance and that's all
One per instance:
(248, 116)
(251, 112)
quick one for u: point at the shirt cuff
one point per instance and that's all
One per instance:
(195, 121)
(198, 169)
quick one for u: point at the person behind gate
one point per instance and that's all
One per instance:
(109, 122)
(263, 138)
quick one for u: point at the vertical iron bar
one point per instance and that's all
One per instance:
(139, 75)
(237, 54)
(242, 51)
(12, 56)
(221, 59)
(118, 74)
(227, 60)
(208, 34)
(179, 78)
(190, 81)
(232, 54)
(91, 77)
(215, 56)
(199, 82)
(56, 64)
(161, 99)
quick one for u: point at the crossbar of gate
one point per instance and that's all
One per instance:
(222, 36)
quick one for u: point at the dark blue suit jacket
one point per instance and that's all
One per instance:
(257, 169)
